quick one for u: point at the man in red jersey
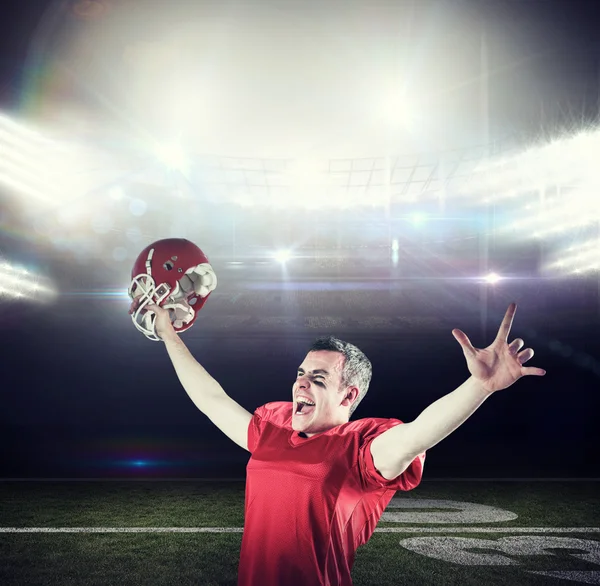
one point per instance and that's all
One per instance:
(318, 483)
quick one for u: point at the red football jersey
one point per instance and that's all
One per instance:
(311, 501)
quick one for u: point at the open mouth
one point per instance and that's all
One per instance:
(304, 409)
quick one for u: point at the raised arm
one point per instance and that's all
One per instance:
(492, 369)
(204, 391)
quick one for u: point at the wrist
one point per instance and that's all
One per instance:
(480, 387)
(169, 336)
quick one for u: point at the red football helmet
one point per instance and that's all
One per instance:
(172, 273)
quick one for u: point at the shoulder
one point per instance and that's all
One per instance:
(268, 418)
(277, 412)
(370, 427)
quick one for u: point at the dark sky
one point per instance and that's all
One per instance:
(84, 394)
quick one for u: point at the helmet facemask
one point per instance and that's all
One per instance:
(188, 296)
(143, 291)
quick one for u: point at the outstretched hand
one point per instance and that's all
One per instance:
(501, 364)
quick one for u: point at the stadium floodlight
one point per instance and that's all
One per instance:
(580, 258)
(564, 161)
(576, 209)
(282, 256)
(492, 278)
(172, 155)
(21, 132)
(24, 160)
(18, 283)
(396, 108)
(116, 193)
(45, 169)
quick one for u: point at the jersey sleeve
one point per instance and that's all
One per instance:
(276, 412)
(257, 423)
(408, 480)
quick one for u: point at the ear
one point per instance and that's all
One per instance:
(350, 395)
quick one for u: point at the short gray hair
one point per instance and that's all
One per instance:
(357, 369)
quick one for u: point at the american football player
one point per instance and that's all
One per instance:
(318, 483)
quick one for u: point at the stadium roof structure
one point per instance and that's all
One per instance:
(341, 183)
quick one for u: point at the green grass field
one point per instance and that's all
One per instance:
(179, 533)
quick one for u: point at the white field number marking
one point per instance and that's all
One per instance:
(457, 512)
(456, 549)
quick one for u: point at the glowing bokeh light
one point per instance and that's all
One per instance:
(418, 219)
(492, 278)
(138, 207)
(173, 156)
(282, 256)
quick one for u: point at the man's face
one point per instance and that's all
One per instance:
(319, 379)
